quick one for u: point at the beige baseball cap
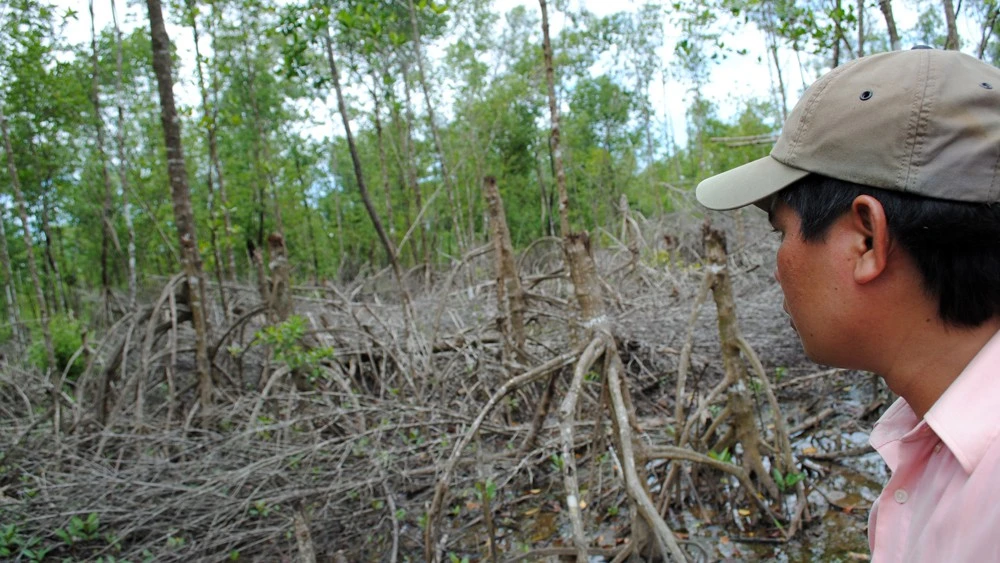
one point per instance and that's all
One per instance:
(923, 121)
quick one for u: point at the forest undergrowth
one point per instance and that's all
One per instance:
(346, 433)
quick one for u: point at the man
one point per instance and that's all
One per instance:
(884, 187)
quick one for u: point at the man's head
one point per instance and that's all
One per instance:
(885, 183)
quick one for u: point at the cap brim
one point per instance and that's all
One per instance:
(751, 183)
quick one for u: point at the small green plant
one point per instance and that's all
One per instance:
(260, 509)
(725, 456)
(14, 544)
(452, 558)
(779, 373)
(786, 482)
(414, 437)
(486, 491)
(174, 542)
(80, 530)
(613, 510)
(557, 461)
(286, 340)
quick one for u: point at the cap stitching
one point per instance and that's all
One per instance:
(807, 112)
(910, 170)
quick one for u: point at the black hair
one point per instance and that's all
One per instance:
(955, 245)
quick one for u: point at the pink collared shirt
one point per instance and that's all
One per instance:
(942, 503)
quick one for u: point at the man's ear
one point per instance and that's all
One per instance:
(869, 222)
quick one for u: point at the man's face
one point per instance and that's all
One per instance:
(811, 275)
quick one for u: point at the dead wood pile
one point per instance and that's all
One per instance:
(332, 432)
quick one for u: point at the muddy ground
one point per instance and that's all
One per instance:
(338, 460)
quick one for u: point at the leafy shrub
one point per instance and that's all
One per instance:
(66, 340)
(286, 340)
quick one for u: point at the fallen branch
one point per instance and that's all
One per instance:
(434, 512)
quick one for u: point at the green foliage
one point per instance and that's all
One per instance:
(487, 490)
(261, 509)
(286, 340)
(557, 462)
(786, 482)
(15, 545)
(725, 456)
(66, 340)
(80, 530)
(780, 373)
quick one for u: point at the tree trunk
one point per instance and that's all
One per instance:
(213, 149)
(861, 28)
(107, 228)
(740, 403)
(387, 244)
(122, 170)
(510, 295)
(456, 210)
(208, 118)
(890, 23)
(262, 150)
(383, 166)
(59, 299)
(989, 24)
(181, 197)
(10, 290)
(550, 80)
(949, 18)
(43, 311)
(410, 171)
(309, 215)
(838, 34)
(280, 304)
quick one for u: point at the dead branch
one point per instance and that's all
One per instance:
(441, 489)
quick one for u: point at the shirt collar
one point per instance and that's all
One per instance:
(966, 417)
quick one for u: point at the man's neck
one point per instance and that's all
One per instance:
(928, 359)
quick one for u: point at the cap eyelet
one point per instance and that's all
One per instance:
(986, 85)
(866, 95)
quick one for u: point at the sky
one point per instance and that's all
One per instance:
(732, 81)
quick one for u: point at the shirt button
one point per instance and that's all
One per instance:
(900, 496)
(937, 448)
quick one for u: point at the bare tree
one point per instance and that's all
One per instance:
(949, 17)
(989, 25)
(890, 23)
(387, 244)
(510, 295)
(554, 135)
(181, 197)
(122, 170)
(449, 187)
(108, 234)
